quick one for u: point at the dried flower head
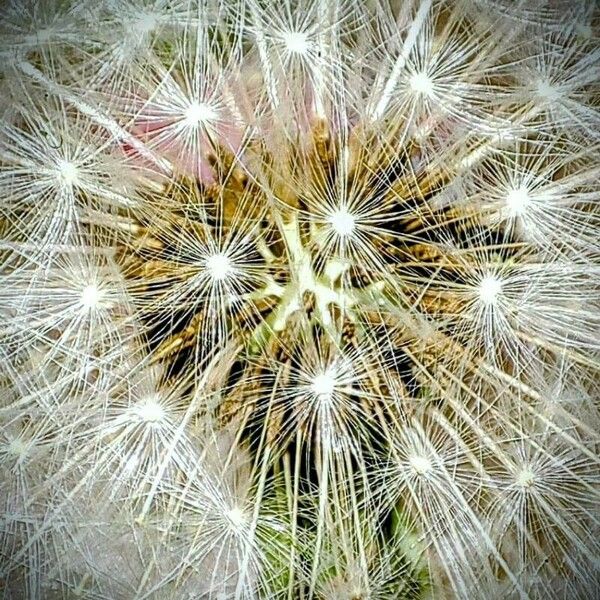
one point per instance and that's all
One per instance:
(299, 299)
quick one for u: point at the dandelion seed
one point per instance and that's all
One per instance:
(525, 478)
(547, 91)
(90, 297)
(343, 222)
(17, 448)
(323, 386)
(200, 113)
(421, 465)
(219, 267)
(145, 23)
(489, 290)
(296, 42)
(68, 172)
(236, 517)
(150, 411)
(517, 201)
(421, 83)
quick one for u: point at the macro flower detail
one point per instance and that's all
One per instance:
(299, 300)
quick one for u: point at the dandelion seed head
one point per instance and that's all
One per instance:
(219, 266)
(200, 113)
(489, 289)
(310, 253)
(342, 222)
